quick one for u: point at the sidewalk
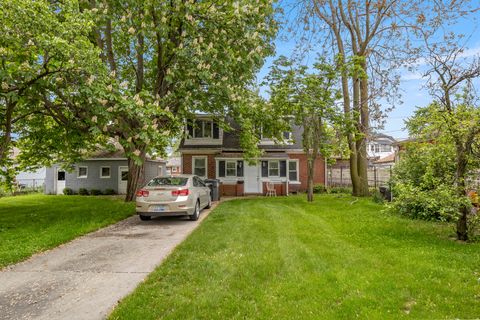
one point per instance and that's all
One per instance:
(85, 278)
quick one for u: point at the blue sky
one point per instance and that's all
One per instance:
(413, 94)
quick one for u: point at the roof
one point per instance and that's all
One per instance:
(173, 162)
(387, 159)
(381, 136)
(231, 140)
(117, 154)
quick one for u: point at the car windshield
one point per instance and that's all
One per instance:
(168, 181)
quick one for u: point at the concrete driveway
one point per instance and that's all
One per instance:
(85, 278)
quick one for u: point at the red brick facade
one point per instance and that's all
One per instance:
(319, 177)
(280, 187)
(187, 164)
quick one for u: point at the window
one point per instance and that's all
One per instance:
(231, 169)
(82, 172)
(170, 181)
(385, 148)
(124, 175)
(61, 175)
(105, 172)
(287, 135)
(293, 170)
(203, 129)
(273, 169)
(200, 166)
(174, 169)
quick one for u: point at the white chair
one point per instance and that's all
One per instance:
(271, 192)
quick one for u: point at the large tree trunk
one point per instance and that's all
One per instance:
(364, 130)
(462, 227)
(7, 133)
(136, 178)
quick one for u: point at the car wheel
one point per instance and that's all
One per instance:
(145, 218)
(196, 212)
(209, 205)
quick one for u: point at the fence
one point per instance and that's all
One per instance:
(29, 184)
(377, 176)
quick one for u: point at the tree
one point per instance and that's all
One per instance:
(43, 45)
(171, 59)
(310, 98)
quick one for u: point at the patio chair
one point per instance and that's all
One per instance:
(271, 192)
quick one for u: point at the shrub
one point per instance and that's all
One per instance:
(340, 190)
(83, 192)
(109, 192)
(377, 197)
(68, 191)
(95, 192)
(319, 188)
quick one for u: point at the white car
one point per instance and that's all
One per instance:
(173, 196)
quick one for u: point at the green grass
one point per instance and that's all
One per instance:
(34, 223)
(337, 258)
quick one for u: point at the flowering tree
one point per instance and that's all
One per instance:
(170, 59)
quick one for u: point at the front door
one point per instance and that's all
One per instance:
(122, 180)
(60, 181)
(252, 182)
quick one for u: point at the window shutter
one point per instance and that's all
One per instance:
(221, 168)
(189, 129)
(240, 168)
(216, 131)
(283, 168)
(264, 168)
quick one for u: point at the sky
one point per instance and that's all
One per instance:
(411, 85)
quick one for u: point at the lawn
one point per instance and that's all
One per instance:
(34, 223)
(283, 258)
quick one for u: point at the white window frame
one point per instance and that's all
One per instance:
(196, 126)
(297, 168)
(78, 172)
(226, 168)
(109, 172)
(278, 168)
(206, 165)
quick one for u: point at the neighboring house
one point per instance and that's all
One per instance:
(28, 179)
(380, 146)
(210, 152)
(103, 170)
(174, 166)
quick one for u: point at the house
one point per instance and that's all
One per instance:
(28, 179)
(103, 170)
(174, 166)
(210, 152)
(380, 146)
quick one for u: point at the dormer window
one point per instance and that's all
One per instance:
(203, 129)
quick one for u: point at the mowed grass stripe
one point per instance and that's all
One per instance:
(338, 257)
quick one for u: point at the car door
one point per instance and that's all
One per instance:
(200, 191)
(205, 191)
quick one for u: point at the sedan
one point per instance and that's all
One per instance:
(173, 196)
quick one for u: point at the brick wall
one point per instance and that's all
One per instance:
(187, 164)
(319, 176)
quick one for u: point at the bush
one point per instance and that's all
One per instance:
(95, 192)
(109, 192)
(377, 197)
(319, 188)
(340, 190)
(68, 191)
(83, 192)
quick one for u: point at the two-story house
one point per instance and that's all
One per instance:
(210, 152)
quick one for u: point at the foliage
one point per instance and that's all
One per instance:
(109, 192)
(377, 196)
(334, 258)
(95, 192)
(346, 190)
(35, 223)
(45, 46)
(423, 182)
(319, 189)
(309, 96)
(83, 192)
(68, 191)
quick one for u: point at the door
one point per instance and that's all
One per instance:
(60, 181)
(122, 180)
(252, 183)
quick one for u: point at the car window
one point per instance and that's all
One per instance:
(202, 183)
(168, 181)
(195, 182)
